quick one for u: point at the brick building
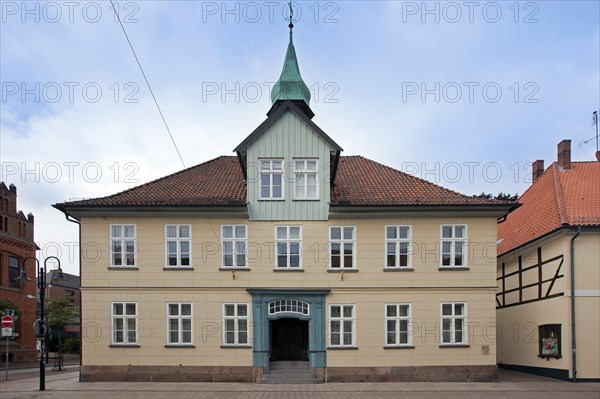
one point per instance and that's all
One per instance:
(16, 245)
(61, 284)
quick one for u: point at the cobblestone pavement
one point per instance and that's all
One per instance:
(65, 385)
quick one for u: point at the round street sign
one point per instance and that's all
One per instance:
(7, 321)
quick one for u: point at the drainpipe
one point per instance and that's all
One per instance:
(573, 324)
(81, 332)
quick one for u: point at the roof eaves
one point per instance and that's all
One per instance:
(496, 210)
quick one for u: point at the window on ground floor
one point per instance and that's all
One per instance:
(550, 342)
(179, 324)
(236, 320)
(453, 323)
(124, 324)
(342, 325)
(398, 329)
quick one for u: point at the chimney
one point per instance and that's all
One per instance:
(536, 170)
(564, 155)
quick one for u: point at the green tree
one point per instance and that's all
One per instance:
(500, 196)
(7, 304)
(60, 311)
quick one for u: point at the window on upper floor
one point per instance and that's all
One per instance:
(398, 247)
(122, 245)
(178, 244)
(234, 241)
(342, 326)
(288, 241)
(454, 245)
(179, 324)
(306, 179)
(342, 250)
(13, 271)
(236, 320)
(271, 179)
(453, 323)
(124, 323)
(398, 328)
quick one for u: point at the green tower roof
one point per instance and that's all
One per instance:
(290, 85)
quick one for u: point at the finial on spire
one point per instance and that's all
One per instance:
(291, 25)
(290, 85)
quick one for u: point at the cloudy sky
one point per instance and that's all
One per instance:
(464, 94)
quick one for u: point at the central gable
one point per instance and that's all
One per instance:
(289, 164)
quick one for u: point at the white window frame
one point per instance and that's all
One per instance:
(236, 318)
(296, 306)
(125, 318)
(453, 318)
(180, 318)
(288, 242)
(452, 242)
(342, 241)
(271, 172)
(397, 319)
(397, 241)
(234, 240)
(178, 240)
(304, 171)
(123, 240)
(342, 330)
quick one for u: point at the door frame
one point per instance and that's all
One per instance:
(261, 345)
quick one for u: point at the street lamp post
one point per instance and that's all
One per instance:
(41, 285)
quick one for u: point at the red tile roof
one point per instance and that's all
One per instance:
(220, 182)
(361, 181)
(557, 198)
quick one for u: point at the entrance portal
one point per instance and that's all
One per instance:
(289, 339)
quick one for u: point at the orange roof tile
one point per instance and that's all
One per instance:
(557, 198)
(220, 182)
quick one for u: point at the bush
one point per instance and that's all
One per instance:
(71, 345)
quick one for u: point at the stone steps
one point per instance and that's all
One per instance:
(289, 372)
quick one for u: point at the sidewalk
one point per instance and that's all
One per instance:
(65, 385)
(24, 370)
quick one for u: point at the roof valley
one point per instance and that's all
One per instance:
(558, 189)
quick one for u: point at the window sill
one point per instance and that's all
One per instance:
(13, 289)
(399, 269)
(272, 199)
(455, 346)
(123, 268)
(548, 357)
(353, 270)
(342, 348)
(178, 268)
(236, 346)
(399, 347)
(124, 346)
(289, 270)
(234, 269)
(453, 268)
(187, 346)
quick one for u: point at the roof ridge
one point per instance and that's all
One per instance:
(560, 201)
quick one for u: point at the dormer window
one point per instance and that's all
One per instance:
(305, 179)
(271, 179)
